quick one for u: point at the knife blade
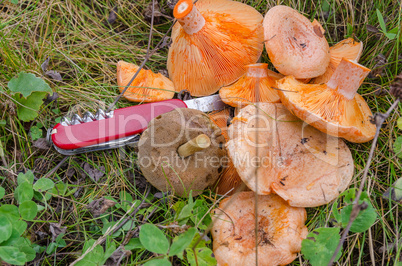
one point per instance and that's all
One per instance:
(119, 127)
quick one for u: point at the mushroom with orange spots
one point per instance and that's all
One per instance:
(280, 230)
(146, 87)
(212, 43)
(229, 181)
(348, 48)
(295, 46)
(334, 107)
(257, 85)
(274, 152)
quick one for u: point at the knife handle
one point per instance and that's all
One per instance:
(124, 122)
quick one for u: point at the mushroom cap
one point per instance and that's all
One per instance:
(256, 85)
(161, 164)
(273, 149)
(229, 180)
(326, 107)
(147, 86)
(295, 46)
(348, 48)
(281, 230)
(216, 55)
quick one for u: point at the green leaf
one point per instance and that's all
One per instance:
(28, 210)
(2, 192)
(109, 225)
(3, 123)
(15, 2)
(134, 243)
(12, 255)
(27, 109)
(27, 177)
(395, 191)
(6, 228)
(186, 212)
(19, 226)
(153, 239)
(110, 248)
(36, 133)
(320, 245)
(181, 242)
(381, 21)
(158, 262)
(399, 123)
(126, 200)
(43, 184)
(29, 252)
(10, 211)
(23, 192)
(200, 210)
(27, 83)
(205, 257)
(364, 219)
(390, 36)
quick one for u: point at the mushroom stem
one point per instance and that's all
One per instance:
(188, 16)
(259, 70)
(348, 77)
(196, 144)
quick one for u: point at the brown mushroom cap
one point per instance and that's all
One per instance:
(212, 43)
(161, 164)
(229, 180)
(348, 48)
(273, 151)
(295, 46)
(255, 86)
(334, 107)
(281, 230)
(147, 86)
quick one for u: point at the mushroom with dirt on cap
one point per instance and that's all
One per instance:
(274, 152)
(146, 87)
(181, 151)
(212, 43)
(294, 45)
(280, 230)
(334, 107)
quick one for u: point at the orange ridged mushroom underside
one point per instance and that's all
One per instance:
(249, 90)
(329, 105)
(146, 87)
(231, 38)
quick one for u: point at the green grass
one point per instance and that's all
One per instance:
(85, 50)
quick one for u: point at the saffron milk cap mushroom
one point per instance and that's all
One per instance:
(146, 87)
(181, 151)
(256, 85)
(212, 43)
(274, 152)
(229, 181)
(294, 45)
(334, 107)
(280, 230)
(348, 48)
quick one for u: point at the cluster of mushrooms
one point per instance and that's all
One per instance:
(285, 144)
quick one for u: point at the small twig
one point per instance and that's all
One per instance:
(379, 119)
(147, 56)
(113, 229)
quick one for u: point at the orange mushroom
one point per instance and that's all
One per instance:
(146, 87)
(229, 181)
(334, 107)
(280, 230)
(212, 43)
(348, 48)
(274, 152)
(295, 45)
(255, 86)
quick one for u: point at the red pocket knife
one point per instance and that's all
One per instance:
(119, 127)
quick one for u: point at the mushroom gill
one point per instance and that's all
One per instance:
(212, 43)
